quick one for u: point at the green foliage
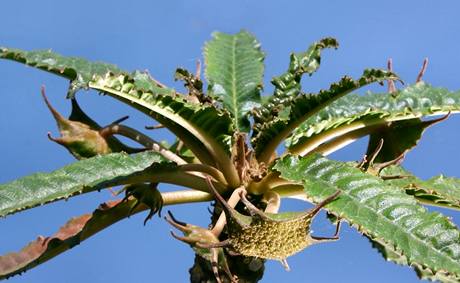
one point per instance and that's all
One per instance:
(212, 157)
(185, 119)
(303, 106)
(439, 190)
(354, 112)
(380, 211)
(77, 178)
(287, 85)
(78, 70)
(234, 71)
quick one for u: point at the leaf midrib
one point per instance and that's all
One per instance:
(388, 221)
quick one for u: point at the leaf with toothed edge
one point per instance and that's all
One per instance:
(204, 129)
(234, 70)
(78, 70)
(381, 211)
(71, 234)
(214, 128)
(287, 85)
(354, 112)
(80, 177)
(438, 191)
(273, 132)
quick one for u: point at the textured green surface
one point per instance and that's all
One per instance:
(304, 106)
(78, 70)
(82, 176)
(201, 127)
(439, 190)
(234, 70)
(380, 211)
(415, 100)
(287, 85)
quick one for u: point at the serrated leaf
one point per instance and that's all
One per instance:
(234, 70)
(80, 177)
(379, 210)
(287, 85)
(71, 234)
(79, 229)
(355, 112)
(203, 128)
(439, 190)
(273, 132)
(389, 252)
(78, 70)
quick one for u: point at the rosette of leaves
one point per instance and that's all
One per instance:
(390, 212)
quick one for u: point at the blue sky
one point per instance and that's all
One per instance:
(162, 36)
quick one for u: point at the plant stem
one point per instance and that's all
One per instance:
(174, 176)
(295, 191)
(143, 139)
(203, 168)
(313, 142)
(185, 196)
(344, 140)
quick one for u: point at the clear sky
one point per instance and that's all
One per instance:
(160, 36)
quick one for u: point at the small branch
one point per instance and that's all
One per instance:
(391, 84)
(215, 173)
(145, 140)
(222, 220)
(422, 70)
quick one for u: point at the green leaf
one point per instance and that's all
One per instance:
(379, 210)
(78, 70)
(355, 112)
(81, 228)
(287, 85)
(234, 70)
(439, 191)
(302, 107)
(204, 129)
(390, 253)
(80, 177)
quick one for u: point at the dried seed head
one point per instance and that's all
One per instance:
(80, 139)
